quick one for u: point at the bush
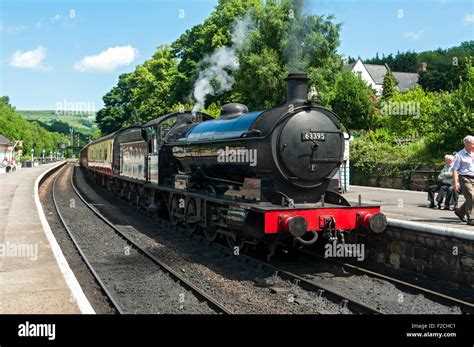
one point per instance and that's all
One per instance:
(370, 157)
(412, 114)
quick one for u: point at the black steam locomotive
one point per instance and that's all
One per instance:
(249, 176)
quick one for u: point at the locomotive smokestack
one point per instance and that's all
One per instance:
(296, 88)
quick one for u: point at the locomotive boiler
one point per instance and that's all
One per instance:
(293, 150)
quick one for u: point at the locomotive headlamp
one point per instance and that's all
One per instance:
(295, 225)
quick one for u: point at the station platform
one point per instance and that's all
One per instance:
(34, 275)
(405, 207)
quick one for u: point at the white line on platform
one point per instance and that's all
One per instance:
(71, 280)
(432, 229)
(388, 189)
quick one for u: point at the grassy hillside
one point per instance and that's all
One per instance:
(83, 123)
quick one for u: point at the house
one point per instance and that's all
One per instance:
(374, 74)
(6, 148)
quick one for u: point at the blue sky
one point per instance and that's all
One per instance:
(74, 51)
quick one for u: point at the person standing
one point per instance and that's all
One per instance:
(463, 169)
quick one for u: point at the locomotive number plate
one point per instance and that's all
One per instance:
(313, 136)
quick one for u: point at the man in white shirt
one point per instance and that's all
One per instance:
(463, 167)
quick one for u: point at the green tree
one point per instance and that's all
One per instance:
(59, 127)
(445, 67)
(456, 116)
(286, 40)
(411, 114)
(15, 127)
(389, 86)
(352, 101)
(202, 39)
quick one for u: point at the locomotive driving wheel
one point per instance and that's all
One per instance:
(174, 210)
(191, 215)
(210, 233)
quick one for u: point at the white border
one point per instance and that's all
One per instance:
(80, 298)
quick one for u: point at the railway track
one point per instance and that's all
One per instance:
(97, 268)
(466, 307)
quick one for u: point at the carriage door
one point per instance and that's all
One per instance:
(153, 143)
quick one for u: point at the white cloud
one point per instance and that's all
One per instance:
(414, 35)
(108, 60)
(56, 18)
(12, 29)
(30, 59)
(15, 29)
(468, 18)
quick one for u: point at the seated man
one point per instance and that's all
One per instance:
(444, 181)
(451, 195)
(6, 164)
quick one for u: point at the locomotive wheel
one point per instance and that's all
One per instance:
(238, 242)
(210, 234)
(191, 212)
(173, 210)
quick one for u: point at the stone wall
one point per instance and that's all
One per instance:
(412, 180)
(440, 257)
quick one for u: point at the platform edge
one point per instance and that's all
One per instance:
(76, 290)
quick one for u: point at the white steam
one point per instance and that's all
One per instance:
(216, 77)
(241, 30)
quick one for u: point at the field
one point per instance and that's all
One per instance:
(83, 123)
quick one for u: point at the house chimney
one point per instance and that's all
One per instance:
(296, 88)
(421, 67)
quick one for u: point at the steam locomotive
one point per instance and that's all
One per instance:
(251, 177)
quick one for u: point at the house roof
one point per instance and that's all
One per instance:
(377, 72)
(5, 141)
(349, 66)
(406, 80)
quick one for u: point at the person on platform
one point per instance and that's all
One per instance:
(13, 164)
(447, 191)
(463, 167)
(443, 183)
